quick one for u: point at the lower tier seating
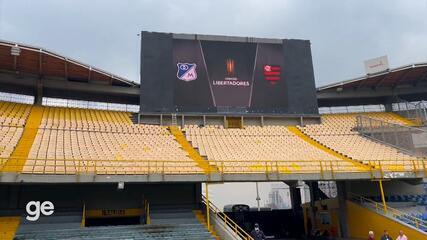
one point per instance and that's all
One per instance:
(181, 231)
(165, 225)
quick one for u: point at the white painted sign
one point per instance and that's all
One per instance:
(375, 65)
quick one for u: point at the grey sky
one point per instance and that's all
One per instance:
(103, 33)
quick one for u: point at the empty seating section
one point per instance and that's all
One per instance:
(79, 140)
(12, 120)
(13, 114)
(9, 137)
(71, 140)
(85, 119)
(337, 131)
(255, 146)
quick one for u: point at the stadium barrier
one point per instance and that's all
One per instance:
(226, 220)
(406, 138)
(390, 212)
(416, 111)
(167, 167)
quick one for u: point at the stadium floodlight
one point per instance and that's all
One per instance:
(15, 50)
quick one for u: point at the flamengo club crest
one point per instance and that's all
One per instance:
(186, 71)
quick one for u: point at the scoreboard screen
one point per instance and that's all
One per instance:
(193, 73)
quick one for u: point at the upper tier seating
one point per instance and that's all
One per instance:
(12, 119)
(9, 137)
(107, 142)
(13, 114)
(85, 119)
(337, 132)
(256, 145)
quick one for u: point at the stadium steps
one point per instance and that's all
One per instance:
(19, 156)
(202, 219)
(135, 232)
(296, 131)
(192, 153)
(8, 227)
(134, 118)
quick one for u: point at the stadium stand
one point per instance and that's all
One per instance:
(9, 137)
(66, 140)
(85, 119)
(337, 132)
(13, 114)
(255, 145)
(12, 120)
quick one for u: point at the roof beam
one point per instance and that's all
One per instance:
(40, 63)
(66, 68)
(381, 81)
(420, 79)
(405, 75)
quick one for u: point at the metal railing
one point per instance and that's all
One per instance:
(185, 167)
(390, 212)
(399, 136)
(417, 111)
(226, 220)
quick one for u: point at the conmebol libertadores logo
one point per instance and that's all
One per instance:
(186, 71)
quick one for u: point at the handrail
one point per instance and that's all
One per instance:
(83, 222)
(147, 213)
(144, 167)
(227, 220)
(385, 123)
(395, 213)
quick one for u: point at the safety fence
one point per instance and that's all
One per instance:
(226, 220)
(390, 212)
(186, 167)
(410, 139)
(416, 111)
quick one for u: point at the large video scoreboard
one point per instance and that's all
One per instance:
(203, 73)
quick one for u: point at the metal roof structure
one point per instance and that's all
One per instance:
(408, 82)
(30, 70)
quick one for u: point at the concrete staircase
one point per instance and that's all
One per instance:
(165, 224)
(136, 232)
(297, 132)
(192, 153)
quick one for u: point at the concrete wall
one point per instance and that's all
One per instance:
(392, 187)
(362, 220)
(71, 197)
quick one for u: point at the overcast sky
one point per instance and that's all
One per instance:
(343, 34)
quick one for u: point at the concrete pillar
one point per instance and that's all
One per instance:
(388, 107)
(342, 209)
(38, 98)
(313, 199)
(295, 195)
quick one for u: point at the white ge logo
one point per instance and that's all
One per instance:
(46, 208)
